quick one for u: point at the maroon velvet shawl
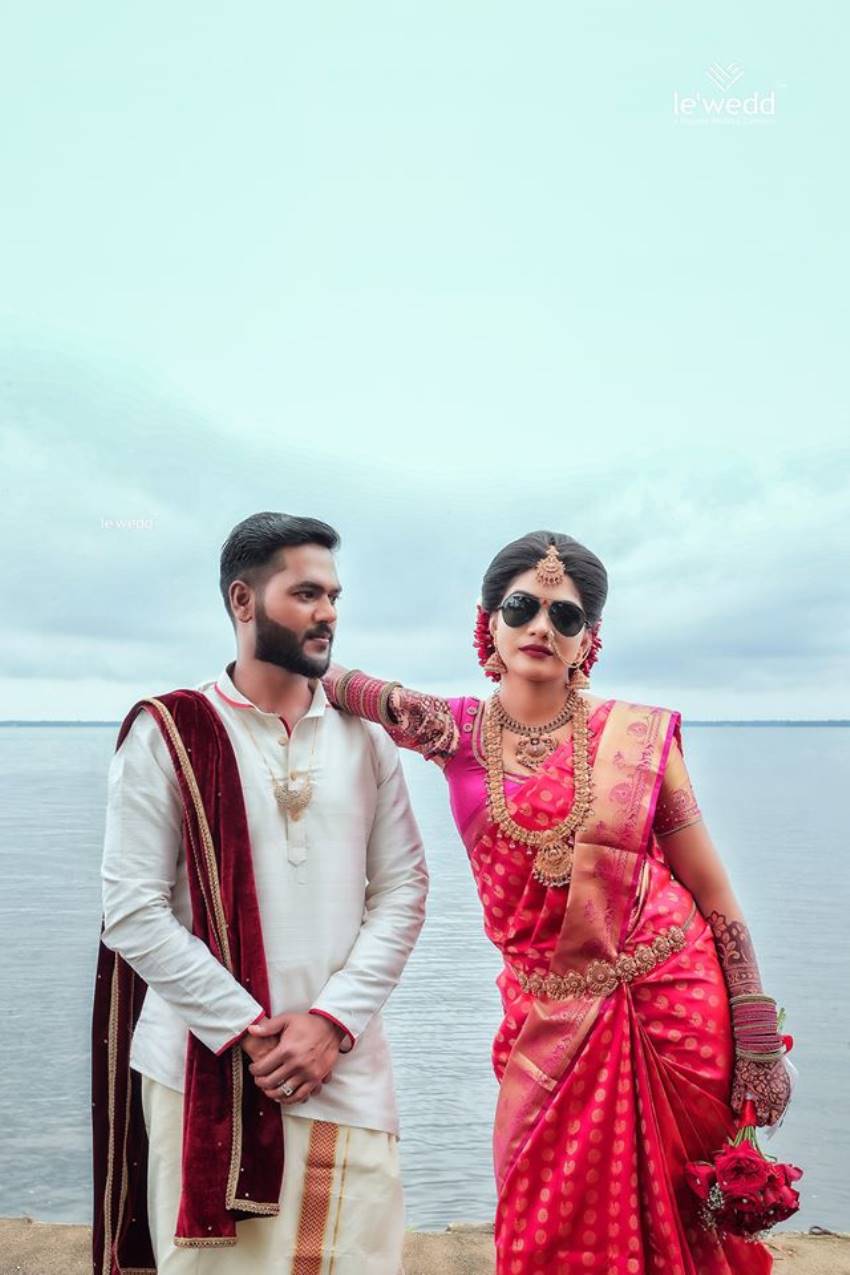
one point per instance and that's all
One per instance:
(232, 1134)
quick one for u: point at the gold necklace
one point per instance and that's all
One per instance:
(553, 861)
(536, 743)
(293, 793)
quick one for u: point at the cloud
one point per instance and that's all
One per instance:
(118, 495)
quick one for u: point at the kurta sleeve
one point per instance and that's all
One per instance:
(146, 905)
(677, 805)
(423, 723)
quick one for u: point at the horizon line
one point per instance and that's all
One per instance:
(687, 721)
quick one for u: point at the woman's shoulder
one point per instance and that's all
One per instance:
(635, 706)
(633, 716)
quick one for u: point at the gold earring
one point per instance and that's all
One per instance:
(578, 678)
(495, 664)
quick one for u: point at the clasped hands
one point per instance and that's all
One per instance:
(297, 1050)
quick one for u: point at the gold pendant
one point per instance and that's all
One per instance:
(553, 865)
(293, 796)
(534, 749)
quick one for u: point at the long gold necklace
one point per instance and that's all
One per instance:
(536, 742)
(553, 861)
(293, 793)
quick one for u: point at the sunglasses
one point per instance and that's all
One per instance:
(518, 608)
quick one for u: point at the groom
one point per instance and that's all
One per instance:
(263, 886)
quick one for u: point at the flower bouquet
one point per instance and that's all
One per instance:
(743, 1192)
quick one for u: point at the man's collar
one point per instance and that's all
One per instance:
(227, 690)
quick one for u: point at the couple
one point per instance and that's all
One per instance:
(264, 884)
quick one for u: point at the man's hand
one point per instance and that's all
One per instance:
(256, 1047)
(304, 1049)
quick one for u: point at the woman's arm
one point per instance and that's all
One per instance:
(694, 860)
(423, 723)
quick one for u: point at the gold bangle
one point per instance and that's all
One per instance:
(750, 998)
(384, 704)
(342, 688)
(753, 1057)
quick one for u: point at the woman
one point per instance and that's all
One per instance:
(634, 1018)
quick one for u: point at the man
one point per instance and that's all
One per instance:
(268, 908)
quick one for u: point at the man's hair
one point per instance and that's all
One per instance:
(248, 551)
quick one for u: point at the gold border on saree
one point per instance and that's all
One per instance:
(601, 978)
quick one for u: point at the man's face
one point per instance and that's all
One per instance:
(295, 613)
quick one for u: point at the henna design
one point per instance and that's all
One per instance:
(423, 722)
(768, 1083)
(737, 954)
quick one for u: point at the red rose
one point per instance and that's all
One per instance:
(741, 1170)
(742, 1193)
(700, 1177)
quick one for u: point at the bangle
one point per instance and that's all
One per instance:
(342, 688)
(384, 716)
(754, 1057)
(751, 997)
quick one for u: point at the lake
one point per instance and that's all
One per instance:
(772, 797)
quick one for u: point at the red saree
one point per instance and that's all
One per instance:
(232, 1134)
(615, 1052)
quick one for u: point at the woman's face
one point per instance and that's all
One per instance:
(527, 650)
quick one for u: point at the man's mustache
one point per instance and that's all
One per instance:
(321, 632)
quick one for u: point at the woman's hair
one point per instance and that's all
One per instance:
(583, 567)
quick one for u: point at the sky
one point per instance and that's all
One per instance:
(440, 275)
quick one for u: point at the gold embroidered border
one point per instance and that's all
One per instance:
(668, 832)
(206, 838)
(111, 1069)
(316, 1200)
(122, 1198)
(538, 1076)
(221, 1241)
(339, 1200)
(601, 978)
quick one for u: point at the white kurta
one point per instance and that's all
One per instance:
(341, 894)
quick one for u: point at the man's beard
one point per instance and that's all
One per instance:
(276, 644)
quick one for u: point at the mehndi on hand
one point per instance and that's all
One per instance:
(767, 1083)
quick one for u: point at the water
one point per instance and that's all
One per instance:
(773, 799)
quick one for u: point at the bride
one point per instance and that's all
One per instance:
(634, 1020)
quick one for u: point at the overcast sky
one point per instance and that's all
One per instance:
(439, 274)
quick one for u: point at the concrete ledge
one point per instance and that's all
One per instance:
(46, 1248)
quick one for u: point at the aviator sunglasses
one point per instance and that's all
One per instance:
(518, 608)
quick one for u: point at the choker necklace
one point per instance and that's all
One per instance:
(553, 847)
(536, 742)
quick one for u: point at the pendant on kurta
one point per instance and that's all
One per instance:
(293, 795)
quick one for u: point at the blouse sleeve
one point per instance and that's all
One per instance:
(423, 723)
(677, 806)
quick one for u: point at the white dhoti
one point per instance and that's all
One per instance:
(341, 1204)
